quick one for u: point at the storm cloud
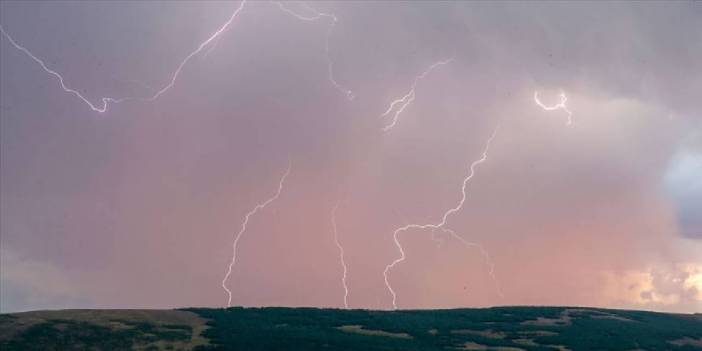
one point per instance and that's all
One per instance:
(137, 207)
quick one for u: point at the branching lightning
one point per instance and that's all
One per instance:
(341, 255)
(399, 105)
(205, 46)
(486, 257)
(238, 236)
(442, 224)
(317, 15)
(559, 106)
(390, 118)
(107, 100)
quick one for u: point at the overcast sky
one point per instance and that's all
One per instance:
(138, 206)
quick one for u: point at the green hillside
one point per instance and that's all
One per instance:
(309, 329)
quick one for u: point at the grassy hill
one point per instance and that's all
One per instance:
(309, 329)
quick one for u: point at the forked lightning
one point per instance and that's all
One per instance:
(441, 225)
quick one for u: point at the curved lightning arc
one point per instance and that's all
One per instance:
(330, 64)
(238, 236)
(441, 225)
(559, 106)
(341, 255)
(399, 105)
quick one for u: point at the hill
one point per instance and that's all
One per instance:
(309, 329)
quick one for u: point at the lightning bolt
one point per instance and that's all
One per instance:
(96, 108)
(399, 105)
(486, 257)
(238, 236)
(100, 108)
(559, 106)
(341, 255)
(210, 42)
(317, 15)
(441, 225)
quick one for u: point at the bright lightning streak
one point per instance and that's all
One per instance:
(407, 99)
(235, 244)
(330, 63)
(559, 106)
(106, 100)
(95, 108)
(341, 255)
(198, 50)
(441, 224)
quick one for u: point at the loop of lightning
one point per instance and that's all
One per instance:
(561, 105)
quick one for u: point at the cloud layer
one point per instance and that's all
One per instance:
(137, 207)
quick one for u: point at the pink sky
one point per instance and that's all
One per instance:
(138, 206)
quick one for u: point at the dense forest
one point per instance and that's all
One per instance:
(309, 329)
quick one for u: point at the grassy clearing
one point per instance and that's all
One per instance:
(360, 330)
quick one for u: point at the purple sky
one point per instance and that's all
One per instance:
(138, 206)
